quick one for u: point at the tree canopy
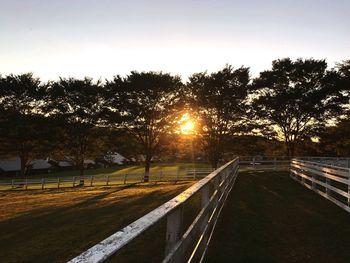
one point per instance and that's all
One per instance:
(297, 98)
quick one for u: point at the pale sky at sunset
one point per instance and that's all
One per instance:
(101, 38)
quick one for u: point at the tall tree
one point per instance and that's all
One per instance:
(335, 140)
(343, 70)
(22, 127)
(142, 104)
(297, 98)
(219, 100)
(75, 105)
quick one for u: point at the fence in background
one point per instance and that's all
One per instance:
(104, 180)
(331, 182)
(265, 162)
(248, 162)
(182, 245)
(334, 161)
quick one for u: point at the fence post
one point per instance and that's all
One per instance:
(58, 182)
(42, 183)
(194, 174)
(26, 184)
(91, 180)
(313, 182)
(107, 180)
(174, 228)
(328, 191)
(204, 201)
(12, 184)
(253, 162)
(125, 178)
(73, 181)
(160, 175)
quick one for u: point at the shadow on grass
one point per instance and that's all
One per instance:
(270, 218)
(54, 234)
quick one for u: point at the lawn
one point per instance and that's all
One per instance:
(56, 225)
(119, 170)
(100, 177)
(268, 217)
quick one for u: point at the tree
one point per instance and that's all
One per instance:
(335, 140)
(219, 100)
(343, 70)
(75, 105)
(297, 99)
(142, 103)
(23, 128)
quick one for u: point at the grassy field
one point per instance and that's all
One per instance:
(99, 177)
(270, 218)
(56, 225)
(118, 170)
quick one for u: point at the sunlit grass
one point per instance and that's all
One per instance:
(57, 225)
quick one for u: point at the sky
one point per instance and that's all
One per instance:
(103, 38)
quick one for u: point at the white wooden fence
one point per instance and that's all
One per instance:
(265, 162)
(104, 180)
(182, 245)
(334, 161)
(331, 182)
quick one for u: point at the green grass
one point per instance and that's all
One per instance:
(268, 217)
(118, 170)
(115, 175)
(57, 225)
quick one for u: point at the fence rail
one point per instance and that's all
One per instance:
(181, 244)
(334, 161)
(103, 180)
(331, 182)
(265, 162)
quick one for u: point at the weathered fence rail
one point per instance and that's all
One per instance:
(331, 182)
(181, 244)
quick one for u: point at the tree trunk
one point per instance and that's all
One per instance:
(147, 168)
(23, 166)
(81, 169)
(290, 148)
(214, 159)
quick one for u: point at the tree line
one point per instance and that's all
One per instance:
(296, 102)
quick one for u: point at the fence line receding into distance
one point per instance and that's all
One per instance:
(330, 181)
(182, 245)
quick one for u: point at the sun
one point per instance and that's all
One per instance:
(186, 124)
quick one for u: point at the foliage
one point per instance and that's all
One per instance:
(75, 105)
(142, 103)
(219, 101)
(297, 98)
(22, 128)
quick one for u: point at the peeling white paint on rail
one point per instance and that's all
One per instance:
(113, 243)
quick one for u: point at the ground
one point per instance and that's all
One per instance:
(115, 175)
(56, 225)
(268, 217)
(117, 170)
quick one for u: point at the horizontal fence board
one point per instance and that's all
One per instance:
(112, 244)
(310, 170)
(340, 171)
(334, 189)
(335, 201)
(317, 172)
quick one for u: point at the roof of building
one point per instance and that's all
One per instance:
(12, 165)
